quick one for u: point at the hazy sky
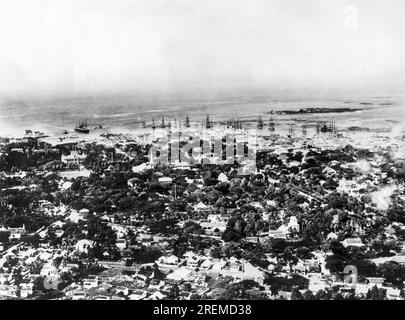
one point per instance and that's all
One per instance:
(195, 46)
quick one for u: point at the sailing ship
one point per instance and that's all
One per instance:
(82, 127)
(208, 122)
(260, 123)
(271, 124)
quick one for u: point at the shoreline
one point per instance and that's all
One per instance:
(316, 111)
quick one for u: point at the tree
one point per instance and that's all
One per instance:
(335, 263)
(39, 284)
(296, 295)
(216, 253)
(337, 248)
(174, 291)
(231, 235)
(289, 257)
(376, 293)
(337, 296)
(392, 271)
(308, 295)
(4, 236)
(145, 254)
(322, 295)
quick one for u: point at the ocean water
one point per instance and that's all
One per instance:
(56, 115)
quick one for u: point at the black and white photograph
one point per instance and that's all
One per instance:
(198, 156)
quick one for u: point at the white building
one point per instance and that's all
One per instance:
(165, 180)
(73, 159)
(352, 242)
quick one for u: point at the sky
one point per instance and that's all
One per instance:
(194, 47)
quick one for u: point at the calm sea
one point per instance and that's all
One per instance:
(55, 116)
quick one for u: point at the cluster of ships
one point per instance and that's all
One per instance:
(209, 124)
(82, 127)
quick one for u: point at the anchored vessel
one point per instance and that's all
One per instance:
(82, 127)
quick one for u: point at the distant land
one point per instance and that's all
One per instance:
(316, 110)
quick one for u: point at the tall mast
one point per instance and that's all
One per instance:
(260, 123)
(208, 123)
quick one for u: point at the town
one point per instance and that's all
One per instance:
(85, 218)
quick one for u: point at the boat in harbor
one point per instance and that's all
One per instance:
(260, 123)
(82, 127)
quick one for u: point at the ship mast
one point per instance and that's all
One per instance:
(208, 123)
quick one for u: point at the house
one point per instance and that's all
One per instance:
(156, 284)
(59, 233)
(300, 267)
(119, 229)
(4, 277)
(278, 234)
(142, 167)
(122, 289)
(234, 265)
(79, 295)
(165, 180)
(16, 233)
(48, 269)
(316, 283)
(206, 264)
(168, 261)
(111, 264)
(361, 289)
(201, 207)
(156, 296)
(284, 295)
(293, 224)
(76, 216)
(375, 281)
(214, 224)
(84, 245)
(393, 294)
(193, 261)
(222, 177)
(218, 265)
(145, 238)
(251, 272)
(137, 295)
(121, 244)
(72, 266)
(331, 236)
(101, 298)
(19, 150)
(90, 283)
(352, 242)
(181, 274)
(74, 159)
(398, 259)
(26, 289)
(9, 291)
